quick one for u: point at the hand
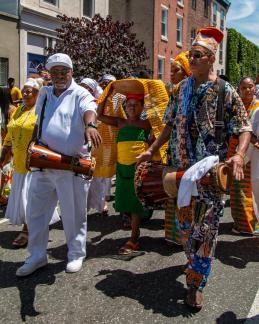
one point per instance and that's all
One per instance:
(238, 162)
(93, 138)
(256, 144)
(146, 156)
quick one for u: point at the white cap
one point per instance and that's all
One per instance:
(34, 83)
(107, 77)
(59, 59)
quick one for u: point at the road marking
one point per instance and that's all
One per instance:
(3, 220)
(254, 310)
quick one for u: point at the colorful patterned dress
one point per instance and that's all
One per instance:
(131, 141)
(241, 200)
(192, 139)
(172, 230)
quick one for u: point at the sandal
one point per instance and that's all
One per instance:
(21, 240)
(129, 248)
(194, 298)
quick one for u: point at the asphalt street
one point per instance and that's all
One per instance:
(146, 289)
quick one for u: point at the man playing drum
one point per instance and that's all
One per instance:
(193, 137)
(69, 119)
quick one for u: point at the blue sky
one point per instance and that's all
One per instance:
(243, 15)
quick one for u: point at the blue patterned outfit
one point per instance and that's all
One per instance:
(192, 115)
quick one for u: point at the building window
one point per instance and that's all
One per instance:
(161, 68)
(194, 4)
(3, 71)
(179, 30)
(180, 3)
(164, 22)
(88, 8)
(221, 53)
(206, 8)
(53, 2)
(222, 19)
(214, 14)
(193, 35)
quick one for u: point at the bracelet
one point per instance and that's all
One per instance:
(90, 124)
(241, 155)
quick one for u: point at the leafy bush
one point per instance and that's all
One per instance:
(100, 46)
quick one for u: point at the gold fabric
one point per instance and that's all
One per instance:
(155, 103)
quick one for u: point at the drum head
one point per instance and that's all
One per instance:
(169, 182)
(224, 176)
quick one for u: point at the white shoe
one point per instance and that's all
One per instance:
(30, 266)
(74, 265)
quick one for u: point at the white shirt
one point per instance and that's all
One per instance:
(63, 125)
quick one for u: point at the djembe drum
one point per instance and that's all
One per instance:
(43, 158)
(155, 183)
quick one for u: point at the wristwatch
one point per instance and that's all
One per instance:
(91, 124)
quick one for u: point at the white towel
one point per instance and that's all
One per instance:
(188, 187)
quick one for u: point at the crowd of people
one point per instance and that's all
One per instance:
(201, 119)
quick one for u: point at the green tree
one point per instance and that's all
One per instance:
(242, 57)
(100, 46)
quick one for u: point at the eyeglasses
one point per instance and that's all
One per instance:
(59, 72)
(197, 55)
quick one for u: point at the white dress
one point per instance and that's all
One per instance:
(254, 157)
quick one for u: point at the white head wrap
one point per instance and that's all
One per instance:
(34, 83)
(107, 77)
(92, 84)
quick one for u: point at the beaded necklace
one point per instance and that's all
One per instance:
(16, 124)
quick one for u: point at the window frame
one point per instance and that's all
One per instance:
(221, 53)
(206, 8)
(50, 3)
(93, 9)
(193, 31)
(179, 43)
(164, 9)
(160, 75)
(5, 77)
(194, 4)
(222, 19)
(214, 13)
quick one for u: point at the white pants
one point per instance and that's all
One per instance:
(99, 189)
(17, 202)
(47, 187)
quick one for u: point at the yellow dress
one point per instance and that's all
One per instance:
(19, 134)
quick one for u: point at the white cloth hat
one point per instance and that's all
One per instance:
(107, 77)
(33, 83)
(59, 59)
(92, 84)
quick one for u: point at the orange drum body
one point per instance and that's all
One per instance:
(149, 185)
(155, 183)
(42, 158)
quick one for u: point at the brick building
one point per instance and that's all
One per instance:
(162, 28)
(199, 15)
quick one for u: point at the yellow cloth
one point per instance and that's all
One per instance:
(127, 151)
(183, 60)
(155, 103)
(19, 134)
(16, 94)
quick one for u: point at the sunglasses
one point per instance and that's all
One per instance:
(59, 72)
(197, 55)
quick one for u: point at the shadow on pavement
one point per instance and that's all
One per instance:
(238, 253)
(27, 285)
(108, 248)
(7, 237)
(230, 317)
(158, 291)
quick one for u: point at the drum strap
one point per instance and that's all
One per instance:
(219, 123)
(41, 119)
